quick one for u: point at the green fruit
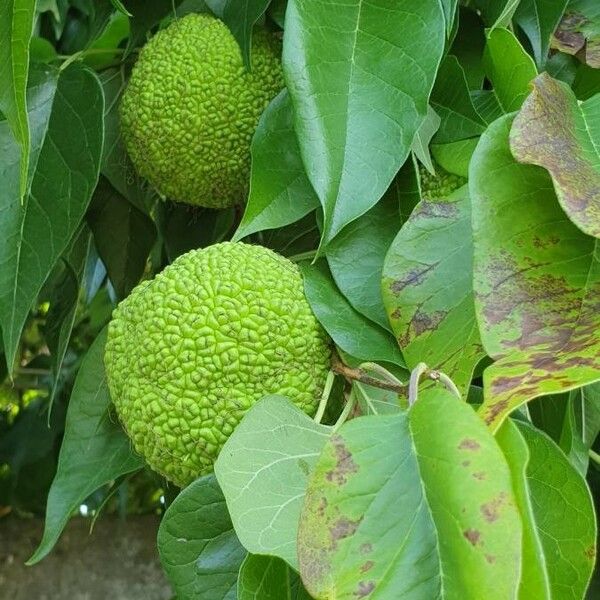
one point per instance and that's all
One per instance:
(440, 185)
(190, 109)
(189, 352)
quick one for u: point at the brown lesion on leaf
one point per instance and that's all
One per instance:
(365, 588)
(493, 411)
(480, 475)
(367, 566)
(435, 210)
(343, 528)
(472, 535)
(345, 464)
(469, 444)
(590, 552)
(413, 277)
(491, 510)
(366, 548)
(465, 463)
(490, 558)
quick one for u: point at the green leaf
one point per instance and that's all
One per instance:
(426, 131)
(94, 451)
(587, 82)
(357, 101)
(509, 68)
(555, 131)
(450, 11)
(456, 156)
(263, 472)
(496, 13)
(198, 548)
(124, 237)
(427, 288)
(456, 531)
(356, 256)
(280, 192)
(538, 19)
(268, 578)
(145, 16)
(350, 330)
(487, 105)
(451, 100)
(16, 23)
(240, 16)
(67, 134)
(468, 46)
(536, 281)
(564, 516)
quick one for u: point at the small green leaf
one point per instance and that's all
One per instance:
(263, 471)
(564, 516)
(509, 68)
(268, 578)
(536, 281)
(94, 451)
(456, 532)
(496, 13)
(538, 19)
(427, 288)
(451, 100)
(280, 192)
(357, 99)
(67, 134)
(555, 131)
(356, 255)
(198, 548)
(426, 131)
(456, 156)
(350, 330)
(16, 23)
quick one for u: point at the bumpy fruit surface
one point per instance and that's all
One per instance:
(189, 352)
(190, 109)
(440, 185)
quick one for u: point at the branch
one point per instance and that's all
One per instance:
(360, 375)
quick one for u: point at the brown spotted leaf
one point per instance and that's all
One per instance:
(536, 281)
(578, 33)
(413, 505)
(427, 288)
(553, 130)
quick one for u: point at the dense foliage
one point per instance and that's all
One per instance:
(432, 170)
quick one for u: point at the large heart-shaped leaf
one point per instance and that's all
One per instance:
(555, 131)
(536, 281)
(65, 117)
(427, 288)
(359, 85)
(456, 531)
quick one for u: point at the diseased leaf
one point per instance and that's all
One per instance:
(16, 23)
(427, 288)
(95, 450)
(198, 548)
(67, 133)
(509, 68)
(359, 85)
(579, 31)
(538, 19)
(536, 281)
(457, 532)
(263, 471)
(350, 330)
(280, 192)
(555, 131)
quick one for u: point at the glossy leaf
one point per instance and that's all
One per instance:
(263, 472)
(536, 281)
(427, 288)
(67, 134)
(456, 156)
(280, 192)
(350, 330)
(269, 578)
(16, 23)
(198, 548)
(509, 68)
(456, 533)
(451, 100)
(356, 256)
(496, 13)
(95, 450)
(359, 86)
(555, 131)
(538, 19)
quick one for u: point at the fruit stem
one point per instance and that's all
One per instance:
(360, 375)
(325, 396)
(350, 401)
